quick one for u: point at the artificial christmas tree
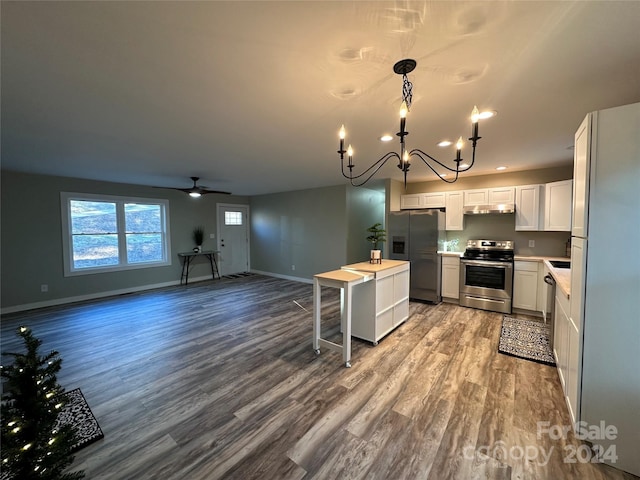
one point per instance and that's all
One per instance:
(31, 446)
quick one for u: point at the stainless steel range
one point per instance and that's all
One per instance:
(486, 275)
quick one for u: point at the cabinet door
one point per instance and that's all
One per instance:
(528, 207)
(543, 289)
(560, 342)
(476, 197)
(411, 201)
(501, 195)
(454, 218)
(434, 200)
(578, 278)
(581, 162)
(557, 206)
(573, 371)
(450, 277)
(525, 285)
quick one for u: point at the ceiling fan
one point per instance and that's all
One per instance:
(196, 190)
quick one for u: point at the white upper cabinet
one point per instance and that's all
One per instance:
(434, 200)
(557, 206)
(489, 196)
(476, 197)
(422, 200)
(453, 216)
(581, 156)
(528, 214)
(501, 195)
(413, 200)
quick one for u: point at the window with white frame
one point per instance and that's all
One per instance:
(107, 233)
(232, 218)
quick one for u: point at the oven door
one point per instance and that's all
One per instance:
(486, 284)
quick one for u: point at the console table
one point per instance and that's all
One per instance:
(187, 257)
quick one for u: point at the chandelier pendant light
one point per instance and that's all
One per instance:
(403, 67)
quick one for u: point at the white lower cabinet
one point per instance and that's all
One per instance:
(525, 285)
(382, 304)
(566, 346)
(450, 284)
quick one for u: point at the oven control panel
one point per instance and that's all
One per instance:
(490, 244)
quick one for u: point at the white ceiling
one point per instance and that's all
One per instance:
(249, 96)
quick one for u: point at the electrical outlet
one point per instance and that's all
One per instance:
(44, 288)
(212, 236)
(293, 267)
(532, 243)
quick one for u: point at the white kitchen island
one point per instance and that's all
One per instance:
(374, 301)
(381, 305)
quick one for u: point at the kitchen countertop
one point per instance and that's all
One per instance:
(449, 254)
(375, 267)
(562, 276)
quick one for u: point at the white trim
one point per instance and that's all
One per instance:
(70, 271)
(247, 225)
(94, 296)
(285, 277)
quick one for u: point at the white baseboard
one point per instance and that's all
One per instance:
(285, 277)
(93, 296)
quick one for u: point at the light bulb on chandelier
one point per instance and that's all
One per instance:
(403, 67)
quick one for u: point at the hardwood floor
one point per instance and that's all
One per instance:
(219, 380)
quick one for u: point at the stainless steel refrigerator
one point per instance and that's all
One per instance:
(414, 235)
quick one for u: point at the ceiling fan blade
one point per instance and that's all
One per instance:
(203, 192)
(196, 188)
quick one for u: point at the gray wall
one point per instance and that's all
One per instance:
(31, 239)
(304, 229)
(365, 207)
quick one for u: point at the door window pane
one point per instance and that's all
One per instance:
(232, 218)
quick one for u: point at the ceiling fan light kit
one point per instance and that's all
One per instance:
(403, 67)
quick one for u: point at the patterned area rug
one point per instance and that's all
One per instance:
(526, 339)
(77, 412)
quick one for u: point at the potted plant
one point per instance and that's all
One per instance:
(376, 235)
(198, 238)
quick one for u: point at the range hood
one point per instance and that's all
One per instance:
(490, 209)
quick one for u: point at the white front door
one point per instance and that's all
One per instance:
(233, 238)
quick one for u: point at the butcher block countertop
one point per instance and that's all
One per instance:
(376, 267)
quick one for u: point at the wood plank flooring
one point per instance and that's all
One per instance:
(219, 380)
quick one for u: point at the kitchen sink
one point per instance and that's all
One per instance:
(560, 264)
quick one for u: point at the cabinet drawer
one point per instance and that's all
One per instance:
(524, 266)
(446, 260)
(384, 323)
(384, 293)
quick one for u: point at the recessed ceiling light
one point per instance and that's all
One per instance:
(464, 165)
(445, 143)
(443, 175)
(386, 138)
(501, 168)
